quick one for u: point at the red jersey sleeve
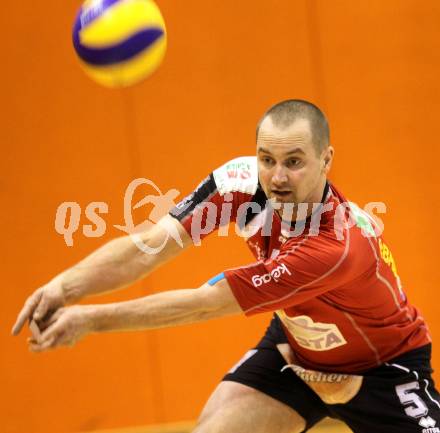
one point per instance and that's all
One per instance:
(301, 271)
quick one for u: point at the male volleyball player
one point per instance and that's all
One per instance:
(344, 341)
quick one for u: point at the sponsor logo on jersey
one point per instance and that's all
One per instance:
(333, 388)
(273, 275)
(238, 170)
(363, 220)
(428, 425)
(316, 376)
(387, 257)
(313, 335)
(240, 174)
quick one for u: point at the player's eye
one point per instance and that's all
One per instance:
(266, 160)
(293, 162)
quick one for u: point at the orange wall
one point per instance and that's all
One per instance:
(372, 65)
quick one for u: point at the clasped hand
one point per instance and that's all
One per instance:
(52, 325)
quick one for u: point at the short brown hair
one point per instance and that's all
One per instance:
(287, 112)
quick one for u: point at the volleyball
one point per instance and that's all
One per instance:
(119, 42)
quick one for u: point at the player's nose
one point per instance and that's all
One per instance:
(279, 176)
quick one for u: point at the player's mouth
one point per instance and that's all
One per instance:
(280, 194)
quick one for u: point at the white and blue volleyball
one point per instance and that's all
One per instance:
(119, 42)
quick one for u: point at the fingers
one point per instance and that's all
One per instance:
(27, 311)
(35, 330)
(40, 305)
(53, 326)
(42, 309)
(49, 343)
(50, 318)
(55, 333)
(49, 339)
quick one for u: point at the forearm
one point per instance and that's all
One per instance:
(155, 311)
(115, 265)
(118, 263)
(166, 309)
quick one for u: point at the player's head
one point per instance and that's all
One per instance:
(287, 112)
(294, 155)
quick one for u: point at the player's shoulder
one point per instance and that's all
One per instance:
(237, 175)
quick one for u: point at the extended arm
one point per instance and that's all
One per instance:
(164, 309)
(113, 266)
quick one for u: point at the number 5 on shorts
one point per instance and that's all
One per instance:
(414, 405)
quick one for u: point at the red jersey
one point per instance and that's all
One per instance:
(331, 278)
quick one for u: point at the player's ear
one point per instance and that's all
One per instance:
(327, 159)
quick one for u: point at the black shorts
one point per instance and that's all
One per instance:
(397, 397)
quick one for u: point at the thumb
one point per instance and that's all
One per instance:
(35, 330)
